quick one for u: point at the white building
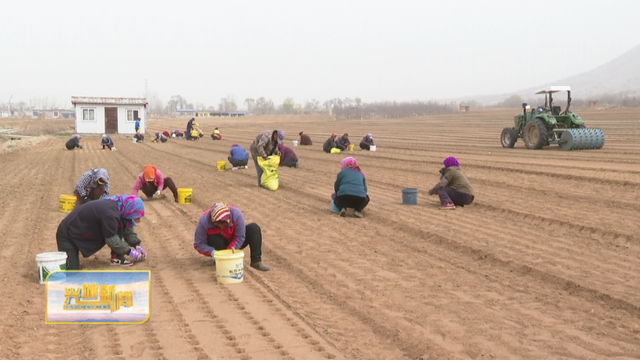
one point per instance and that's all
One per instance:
(105, 115)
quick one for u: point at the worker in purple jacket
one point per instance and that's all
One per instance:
(343, 142)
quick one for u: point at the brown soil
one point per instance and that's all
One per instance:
(543, 265)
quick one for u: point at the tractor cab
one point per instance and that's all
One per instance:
(548, 100)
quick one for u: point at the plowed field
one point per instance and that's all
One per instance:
(543, 265)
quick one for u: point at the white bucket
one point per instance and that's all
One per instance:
(372, 148)
(49, 262)
(295, 142)
(135, 140)
(229, 266)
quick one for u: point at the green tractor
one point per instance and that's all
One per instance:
(548, 124)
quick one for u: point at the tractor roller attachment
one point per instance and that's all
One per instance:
(582, 139)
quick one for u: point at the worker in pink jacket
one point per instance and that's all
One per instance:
(151, 182)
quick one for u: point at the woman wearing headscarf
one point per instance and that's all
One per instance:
(90, 227)
(265, 145)
(351, 188)
(238, 156)
(93, 185)
(453, 188)
(152, 182)
(107, 142)
(223, 227)
(366, 142)
(73, 143)
(160, 137)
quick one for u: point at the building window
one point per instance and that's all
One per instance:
(35, 114)
(56, 114)
(132, 115)
(88, 114)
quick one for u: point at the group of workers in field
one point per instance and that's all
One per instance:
(100, 219)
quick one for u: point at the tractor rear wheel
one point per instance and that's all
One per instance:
(535, 134)
(508, 137)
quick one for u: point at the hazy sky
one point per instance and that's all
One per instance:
(376, 50)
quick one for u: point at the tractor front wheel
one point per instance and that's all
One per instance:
(535, 134)
(508, 137)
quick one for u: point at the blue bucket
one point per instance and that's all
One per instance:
(410, 196)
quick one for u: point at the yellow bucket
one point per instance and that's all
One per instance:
(229, 266)
(67, 203)
(184, 195)
(352, 147)
(222, 165)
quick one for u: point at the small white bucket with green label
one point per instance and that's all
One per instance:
(49, 262)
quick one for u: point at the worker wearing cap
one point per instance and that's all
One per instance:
(93, 185)
(330, 143)
(366, 142)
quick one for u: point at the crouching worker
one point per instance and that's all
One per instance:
(287, 156)
(453, 188)
(152, 182)
(366, 142)
(73, 143)
(90, 227)
(216, 134)
(223, 227)
(160, 137)
(238, 157)
(93, 185)
(351, 188)
(107, 143)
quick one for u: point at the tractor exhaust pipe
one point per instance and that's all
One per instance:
(524, 110)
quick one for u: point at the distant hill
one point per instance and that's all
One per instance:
(622, 74)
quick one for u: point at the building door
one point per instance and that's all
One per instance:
(111, 120)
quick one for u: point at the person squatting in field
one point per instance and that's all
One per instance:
(330, 143)
(160, 137)
(107, 143)
(351, 188)
(90, 227)
(265, 145)
(238, 156)
(305, 139)
(93, 185)
(366, 142)
(287, 156)
(152, 182)
(343, 142)
(73, 143)
(177, 134)
(216, 134)
(223, 227)
(454, 189)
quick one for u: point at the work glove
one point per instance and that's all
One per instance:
(138, 253)
(157, 193)
(142, 251)
(431, 192)
(441, 171)
(266, 157)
